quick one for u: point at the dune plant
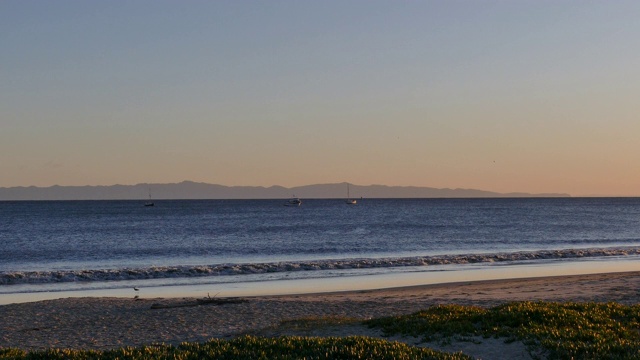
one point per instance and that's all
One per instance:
(250, 347)
(564, 330)
(560, 330)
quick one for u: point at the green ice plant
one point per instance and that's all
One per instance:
(561, 330)
(249, 347)
(564, 330)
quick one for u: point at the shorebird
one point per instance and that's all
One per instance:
(136, 289)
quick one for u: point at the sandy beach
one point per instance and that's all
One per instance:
(102, 323)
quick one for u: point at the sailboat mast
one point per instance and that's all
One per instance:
(349, 201)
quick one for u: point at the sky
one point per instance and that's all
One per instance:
(531, 96)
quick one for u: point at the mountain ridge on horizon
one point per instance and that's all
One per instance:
(190, 190)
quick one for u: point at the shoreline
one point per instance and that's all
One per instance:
(367, 280)
(106, 322)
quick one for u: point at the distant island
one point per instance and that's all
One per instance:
(194, 190)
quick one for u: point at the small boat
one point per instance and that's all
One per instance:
(294, 201)
(349, 200)
(149, 203)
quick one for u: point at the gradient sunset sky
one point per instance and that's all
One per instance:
(532, 96)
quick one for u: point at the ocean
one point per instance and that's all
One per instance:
(52, 249)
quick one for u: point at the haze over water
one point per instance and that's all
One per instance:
(507, 97)
(516, 96)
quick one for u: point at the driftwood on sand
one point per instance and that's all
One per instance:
(204, 301)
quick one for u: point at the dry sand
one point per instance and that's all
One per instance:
(102, 323)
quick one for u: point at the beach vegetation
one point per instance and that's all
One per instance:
(550, 329)
(251, 347)
(561, 330)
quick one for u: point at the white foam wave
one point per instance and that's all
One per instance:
(163, 272)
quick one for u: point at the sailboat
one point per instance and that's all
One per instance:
(294, 201)
(149, 203)
(350, 201)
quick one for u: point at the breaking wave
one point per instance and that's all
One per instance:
(164, 272)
